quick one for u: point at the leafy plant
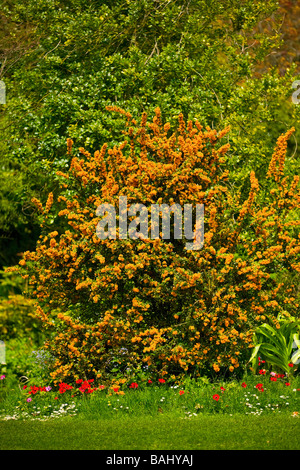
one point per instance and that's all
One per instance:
(276, 343)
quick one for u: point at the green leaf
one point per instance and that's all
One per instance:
(254, 353)
(296, 356)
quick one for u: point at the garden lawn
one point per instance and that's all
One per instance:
(214, 432)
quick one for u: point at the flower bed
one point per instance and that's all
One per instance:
(266, 392)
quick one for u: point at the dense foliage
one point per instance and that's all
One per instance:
(224, 69)
(124, 302)
(63, 62)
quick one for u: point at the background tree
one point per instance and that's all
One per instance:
(70, 60)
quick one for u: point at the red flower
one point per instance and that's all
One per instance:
(181, 392)
(222, 389)
(287, 384)
(63, 387)
(291, 364)
(149, 381)
(101, 387)
(260, 387)
(115, 389)
(85, 387)
(79, 381)
(161, 381)
(262, 372)
(244, 385)
(274, 379)
(133, 385)
(216, 397)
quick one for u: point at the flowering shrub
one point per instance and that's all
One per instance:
(150, 300)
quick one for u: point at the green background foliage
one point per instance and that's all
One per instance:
(63, 62)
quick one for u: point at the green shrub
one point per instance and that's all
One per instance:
(18, 319)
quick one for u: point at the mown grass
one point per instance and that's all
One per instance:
(205, 432)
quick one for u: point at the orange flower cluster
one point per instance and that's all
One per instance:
(277, 162)
(151, 301)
